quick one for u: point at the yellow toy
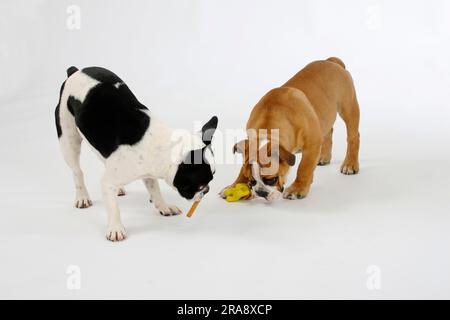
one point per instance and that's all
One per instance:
(238, 192)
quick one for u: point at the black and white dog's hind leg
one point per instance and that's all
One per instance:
(70, 144)
(154, 192)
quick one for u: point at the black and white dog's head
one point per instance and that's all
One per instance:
(197, 168)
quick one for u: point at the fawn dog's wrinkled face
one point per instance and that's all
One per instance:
(266, 165)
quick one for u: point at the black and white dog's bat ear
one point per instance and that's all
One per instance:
(208, 130)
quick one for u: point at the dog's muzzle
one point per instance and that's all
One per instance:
(205, 190)
(269, 196)
(199, 195)
(261, 193)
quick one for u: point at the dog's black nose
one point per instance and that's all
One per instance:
(262, 193)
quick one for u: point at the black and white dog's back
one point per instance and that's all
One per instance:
(96, 105)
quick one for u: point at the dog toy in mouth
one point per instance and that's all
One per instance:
(240, 191)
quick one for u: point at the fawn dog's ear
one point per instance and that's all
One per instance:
(241, 147)
(285, 155)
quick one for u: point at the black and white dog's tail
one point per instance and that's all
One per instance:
(71, 71)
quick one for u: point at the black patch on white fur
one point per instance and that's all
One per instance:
(108, 77)
(192, 174)
(102, 75)
(57, 121)
(109, 116)
(73, 103)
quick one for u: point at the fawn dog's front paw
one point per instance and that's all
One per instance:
(82, 201)
(296, 191)
(350, 167)
(222, 193)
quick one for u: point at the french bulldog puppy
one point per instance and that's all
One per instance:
(97, 106)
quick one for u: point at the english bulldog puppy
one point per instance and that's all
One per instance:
(97, 106)
(299, 117)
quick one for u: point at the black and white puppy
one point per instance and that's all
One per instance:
(96, 105)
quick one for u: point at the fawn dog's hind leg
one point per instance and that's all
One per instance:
(325, 152)
(350, 114)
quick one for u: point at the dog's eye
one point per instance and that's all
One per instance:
(252, 183)
(270, 181)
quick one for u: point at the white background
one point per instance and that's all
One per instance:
(189, 60)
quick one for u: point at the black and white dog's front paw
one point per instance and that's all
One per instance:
(167, 210)
(83, 201)
(121, 192)
(116, 232)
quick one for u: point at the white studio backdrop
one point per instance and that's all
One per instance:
(188, 60)
(196, 56)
